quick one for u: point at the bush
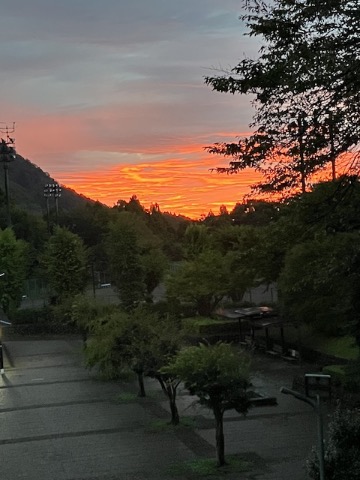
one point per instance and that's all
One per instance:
(208, 326)
(347, 375)
(41, 321)
(342, 449)
(174, 308)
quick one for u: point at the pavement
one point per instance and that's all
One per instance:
(59, 421)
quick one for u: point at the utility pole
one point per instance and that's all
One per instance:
(7, 155)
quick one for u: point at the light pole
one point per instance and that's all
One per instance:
(7, 155)
(316, 405)
(3, 323)
(52, 190)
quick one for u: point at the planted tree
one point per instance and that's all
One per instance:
(138, 340)
(85, 312)
(107, 343)
(204, 280)
(219, 376)
(64, 262)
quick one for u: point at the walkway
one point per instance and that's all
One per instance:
(59, 422)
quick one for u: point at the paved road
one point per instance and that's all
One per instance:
(59, 422)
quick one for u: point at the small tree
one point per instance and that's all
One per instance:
(140, 341)
(342, 449)
(85, 311)
(219, 376)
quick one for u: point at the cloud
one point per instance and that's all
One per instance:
(100, 86)
(176, 184)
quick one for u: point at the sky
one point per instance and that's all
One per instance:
(109, 97)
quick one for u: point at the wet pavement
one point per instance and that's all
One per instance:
(60, 422)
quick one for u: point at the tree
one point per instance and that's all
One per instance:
(306, 92)
(138, 340)
(205, 280)
(196, 240)
(64, 262)
(85, 311)
(255, 212)
(154, 264)
(125, 263)
(14, 265)
(342, 448)
(219, 376)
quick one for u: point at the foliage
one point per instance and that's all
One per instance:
(154, 264)
(139, 340)
(256, 213)
(317, 283)
(348, 375)
(105, 346)
(64, 262)
(85, 311)
(14, 265)
(207, 326)
(342, 448)
(306, 92)
(219, 376)
(205, 280)
(124, 258)
(196, 240)
(41, 321)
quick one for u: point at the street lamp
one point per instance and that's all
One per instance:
(316, 405)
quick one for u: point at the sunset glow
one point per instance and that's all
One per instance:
(177, 185)
(109, 97)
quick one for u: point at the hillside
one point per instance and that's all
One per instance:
(26, 187)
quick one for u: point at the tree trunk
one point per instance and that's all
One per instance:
(169, 388)
(175, 419)
(301, 132)
(220, 443)
(140, 377)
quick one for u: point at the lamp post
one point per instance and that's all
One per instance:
(52, 190)
(2, 324)
(316, 405)
(7, 155)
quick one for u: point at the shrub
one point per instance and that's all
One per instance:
(342, 449)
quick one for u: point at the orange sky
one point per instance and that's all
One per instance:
(109, 97)
(178, 185)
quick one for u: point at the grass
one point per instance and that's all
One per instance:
(342, 347)
(207, 467)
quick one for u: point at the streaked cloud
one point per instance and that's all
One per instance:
(105, 93)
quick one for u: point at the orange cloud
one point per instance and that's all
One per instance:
(178, 186)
